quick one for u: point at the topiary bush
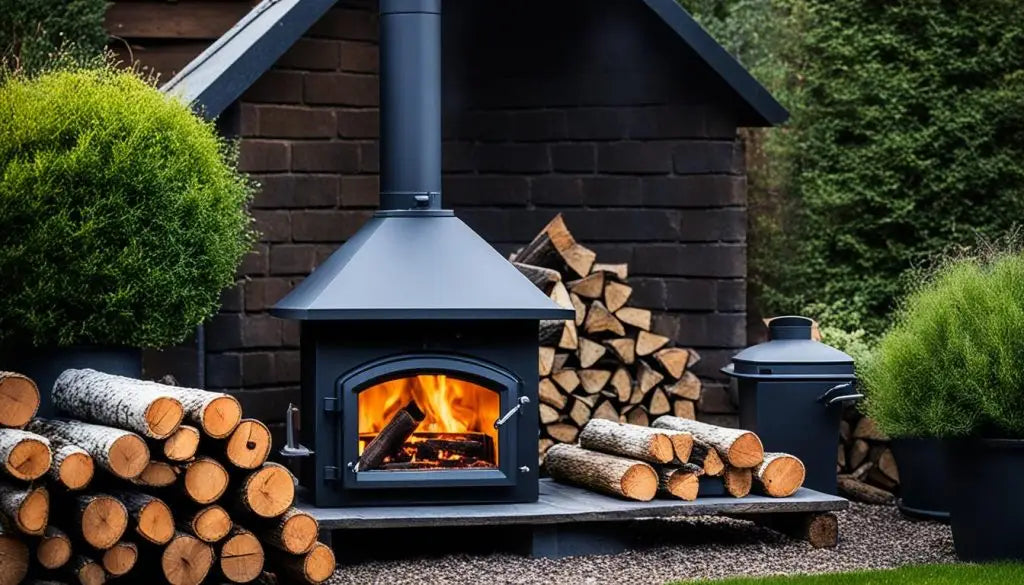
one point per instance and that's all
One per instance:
(951, 366)
(122, 214)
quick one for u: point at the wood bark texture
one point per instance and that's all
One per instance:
(19, 399)
(28, 508)
(314, 567)
(126, 403)
(120, 452)
(601, 472)
(780, 474)
(72, 467)
(294, 532)
(681, 482)
(737, 447)
(627, 440)
(25, 456)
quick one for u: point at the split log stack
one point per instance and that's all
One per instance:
(668, 459)
(608, 362)
(146, 482)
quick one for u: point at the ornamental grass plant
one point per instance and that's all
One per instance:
(122, 214)
(952, 365)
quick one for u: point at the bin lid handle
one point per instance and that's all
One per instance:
(834, 395)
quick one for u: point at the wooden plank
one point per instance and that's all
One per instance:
(178, 20)
(561, 504)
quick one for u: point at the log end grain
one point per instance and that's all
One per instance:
(823, 531)
(746, 451)
(269, 491)
(640, 483)
(681, 483)
(155, 522)
(682, 445)
(29, 459)
(19, 399)
(738, 481)
(88, 571)
(221, 416)
(211, 524)
(14, 560)
(53, 550)
(782, 475)
(33, 511)
(205, 480)
(163, 416)
(182, 444)
(103, 521)
(601, 472)
(249, 445)
(75, 470)
(241, 557)
(158, 474)
(120, 558)
(319, 563)
(186, 560)
(298, 533)
(128, 456)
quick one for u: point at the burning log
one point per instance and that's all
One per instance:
(24, 455)
(28, 508)
(780, 474)
(431, 449)
(738, 448)
(601, 472)
(125, 403)
(53, 550)
(240, 557)
(120, 452)
(680, 482)
(632, 441)
(391, 438)
(186, 560)
(120, 558)
(19, 399)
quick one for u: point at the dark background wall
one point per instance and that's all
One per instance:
(600, 114)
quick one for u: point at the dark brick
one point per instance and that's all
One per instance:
(615, 252)
(256, 262)
(369, 157)
(248, 120)
(263, 293)
(458, 157)
(554, 190)
(287, 191)
(358, 57)
(725, 260)
(276, 87)
(324, 251)
(694, 191)
(256, 156)
(290, 333)
(648, 293)
(231, 298)
(296, 122)
(330, 157)
(476, 190)
(311, 55)
(360, 191)
(488, 126)
(261, 331)
(716, 399)
(267, 404)
(596, 124)
(341, 23)
(705, 157)
(611, 191)
(536, 125)
(273, 226)
(341, 89)
(629, 225)
(288, 366)
(719, 420)
(358, 123)
(714, 225)
(287, 259)
(573, 158)
(680, 121)
(690, 294)
(731, 295)
(223, 370)
(711, 329)
(510, 224)
(258, 369)
(513, 158)
(326, 226)
(712, 361)
(635, 157)
(224, 331)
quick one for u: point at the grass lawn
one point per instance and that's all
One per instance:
(922, 575)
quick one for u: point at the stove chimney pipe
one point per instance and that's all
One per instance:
(410, 104)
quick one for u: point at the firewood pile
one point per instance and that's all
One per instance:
(607, 363)
(867, 468)
(143, 480)
(638, 462)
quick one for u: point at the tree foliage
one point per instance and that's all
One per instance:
(32, 32)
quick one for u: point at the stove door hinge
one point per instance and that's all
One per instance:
(331, 473)
(332, 404)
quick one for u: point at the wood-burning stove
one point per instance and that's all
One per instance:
(419, 341)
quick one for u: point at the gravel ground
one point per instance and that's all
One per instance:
(871, 537)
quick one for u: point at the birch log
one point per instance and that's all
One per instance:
(14, 557)
(19, 399)
(267, 492)
(294, 532)
(27, 508)
(240, 557)
(125, 403)
(205, 481)
(681, 482)
(247, 447)
(643, 443)
(101, 519)
(25, 456)
(738, 448)
(157, 474)
(72, 466)
(151, 517)
(181, 445)
(54, 548)
(120, 452)
(216, 413)
(780, 474)
(602, 472)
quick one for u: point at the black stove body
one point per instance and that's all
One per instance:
(417, 313)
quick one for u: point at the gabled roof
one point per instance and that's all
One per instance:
(221, 73)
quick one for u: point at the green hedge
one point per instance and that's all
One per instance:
(32, 32)
(122, 216)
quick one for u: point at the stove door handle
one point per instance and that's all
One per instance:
(508, 415)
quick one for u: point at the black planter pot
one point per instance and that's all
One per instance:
(987, 480)
(924, 485)
(44, 365)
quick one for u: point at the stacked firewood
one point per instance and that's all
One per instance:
(668, 459)
(147, 480)
(606, 363)
(867, 468)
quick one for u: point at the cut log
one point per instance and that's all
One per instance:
(560, 295)
(120, 558)
(144, 407)
(580, 307)
(593, 381)
(600, 319)
(14, 557)
(639, 318)
(550, 394)
(248, 446)
(53, 550)
(707, 458)
(101, 519)
(619, 271)
(567, 379)
(120, 452)
(563, 433)
(545, 360)
(391, 438)
(737, 481)
(682, 444)
(86, 571)
(560, 360)
(590, 286)
(601, 472)
(25, 456)
(647, 378)
(648, 343)
(616, 295)
(19, 399)
(681, 482)
(580, 411)
(780, 474)
(559, 333)
(206, 480)
(314, 567)
(548, 415)
(151, 517)
(623, 384)
(659, 403)
(589, 352)
(215, 413)
(554, 247)
(181, 445)
(688, 386)
(683, 408)
(186, 560)
(267, 492)
(858, 453)
(637, 415)
(294, 532)
(673, 360)
(209, 523)
(887, 466)
(857, 490)
(606, 411)
(158, 474)
(28, 508)
(624, 348)
(637, 442)
(240, 557)
(868, 430)
(542, 278)
(636, 396)
(738, 448)
(71, 467)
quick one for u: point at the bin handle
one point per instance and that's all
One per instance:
(829, 397)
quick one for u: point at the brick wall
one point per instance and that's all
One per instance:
(626, 137)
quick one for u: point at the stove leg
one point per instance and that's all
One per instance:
(566, 540)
